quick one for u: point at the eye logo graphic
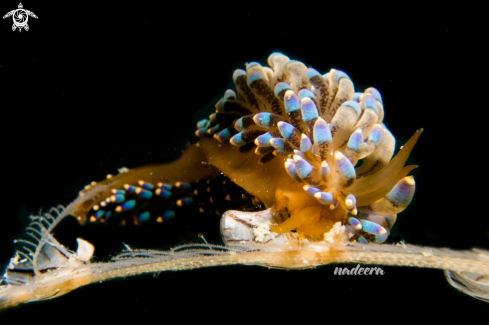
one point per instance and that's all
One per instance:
(20, 17)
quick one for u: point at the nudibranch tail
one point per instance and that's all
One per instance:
(319, 129)
(159, 193)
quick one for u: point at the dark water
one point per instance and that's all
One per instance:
(91, 88)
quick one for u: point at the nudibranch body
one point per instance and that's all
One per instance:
(310, 131)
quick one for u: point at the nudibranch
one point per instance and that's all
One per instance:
(324, 156)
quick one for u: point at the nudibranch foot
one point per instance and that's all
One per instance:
(259, 228)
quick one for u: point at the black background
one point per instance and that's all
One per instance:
(93, 87)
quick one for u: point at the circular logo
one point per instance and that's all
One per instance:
(20, 17)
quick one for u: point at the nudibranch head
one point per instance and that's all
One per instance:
(322, 129)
